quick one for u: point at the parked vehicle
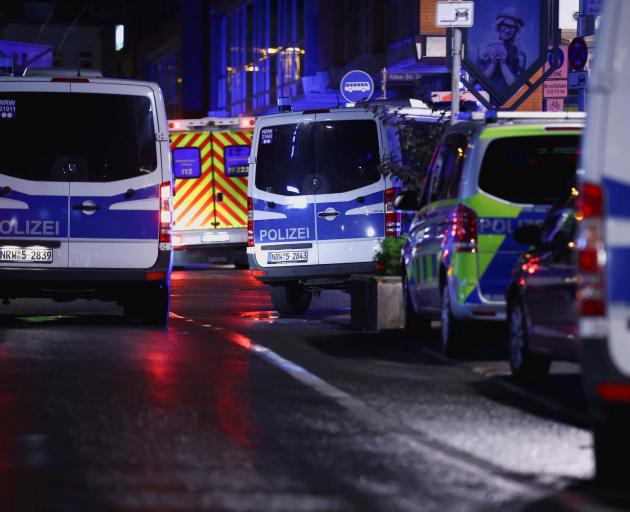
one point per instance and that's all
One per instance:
(542, 307)
(318, 205)
(604, 247)
(210, 163)
(85, 191)
(488, 176)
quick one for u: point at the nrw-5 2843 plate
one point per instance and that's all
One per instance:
(25, 255)
(287, 257)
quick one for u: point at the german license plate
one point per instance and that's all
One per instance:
(25, 255)
(287, 257)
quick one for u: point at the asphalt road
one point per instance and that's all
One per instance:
(232, 408)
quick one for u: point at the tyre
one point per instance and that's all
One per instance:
(418, 327)
(150, 304)
(612, 450)
(525, 365)
(452, 340)
(290, 299)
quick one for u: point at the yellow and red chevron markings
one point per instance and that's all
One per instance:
(196, 204)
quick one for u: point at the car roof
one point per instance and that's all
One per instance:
(523, 126)
(90, 79)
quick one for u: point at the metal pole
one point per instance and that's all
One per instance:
(384, 83)
(457, 66)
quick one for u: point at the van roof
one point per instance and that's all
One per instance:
(84, 79)
(411, 112)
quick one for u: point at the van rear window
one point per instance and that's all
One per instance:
(317, 158)
(100, 137)
(530, 170)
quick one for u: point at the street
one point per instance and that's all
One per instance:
(233, 408)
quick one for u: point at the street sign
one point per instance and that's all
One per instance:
(593, 7)
(356, 85)
(578, 53)
(555, 105)
(578, 79)
(555, 89)
(563, 62)
(454, 14)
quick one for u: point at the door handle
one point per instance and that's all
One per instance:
(219, 196)
(327, 214)
(86, 207)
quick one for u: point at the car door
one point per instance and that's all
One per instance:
(115, 174)
(349, 190)
(283, 192)
(33, 188)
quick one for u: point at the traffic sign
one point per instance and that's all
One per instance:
(555, 89)
(578, 79)
(454, 14)
(562, 66)
(578, 53)
(356, 85)
(555, 104)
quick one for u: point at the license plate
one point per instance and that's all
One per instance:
(25, 255)
(287, 257)
(208, 238)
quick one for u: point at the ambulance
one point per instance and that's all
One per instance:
(209, 157)
(604, 247)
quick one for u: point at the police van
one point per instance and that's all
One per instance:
(604, 247)
(85, 191)
(489, 175)
(318, 205)
(210, 165)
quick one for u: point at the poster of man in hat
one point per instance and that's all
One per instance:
(506, 43)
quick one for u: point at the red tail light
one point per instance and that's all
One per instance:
(392, 217)
(250, 222)
(464, 229)
(166, 214)
(591, 251)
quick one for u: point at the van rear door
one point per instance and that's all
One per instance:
(349, 190)
(283, 192)
(33, 188)
(520, 178)
(115, 172)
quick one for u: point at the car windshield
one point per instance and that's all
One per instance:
(530, 170)
(106, 137)
(323, 157)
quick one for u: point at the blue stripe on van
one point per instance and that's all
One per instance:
(46, 217)
(345, 226)
(616, 198)
(618, 274)
(299, 224)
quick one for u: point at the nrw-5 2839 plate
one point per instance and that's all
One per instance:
(25, 255)
(287, 257)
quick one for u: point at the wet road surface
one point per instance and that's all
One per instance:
(232, 408)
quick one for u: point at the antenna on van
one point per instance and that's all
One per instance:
(78, 67)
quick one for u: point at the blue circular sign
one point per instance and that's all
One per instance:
(559, 55)
(578, 53)
(357, 86)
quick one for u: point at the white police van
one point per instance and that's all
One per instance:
(85, 191)
(604, 246)
(318, 206)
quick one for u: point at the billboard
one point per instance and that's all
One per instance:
(507, 44)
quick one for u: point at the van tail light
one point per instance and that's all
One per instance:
(392, 217)
(463, 228)
(166, 214)
(250, 222)
(591, 251)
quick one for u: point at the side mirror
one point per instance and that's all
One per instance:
(407, 201)
(529, 234)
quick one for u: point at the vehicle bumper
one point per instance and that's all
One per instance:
(311, 274)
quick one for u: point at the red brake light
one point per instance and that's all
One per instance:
(250, 222)
(246, 122)
(392, 217)
(166, 214)
(464, 229)
(614, 392)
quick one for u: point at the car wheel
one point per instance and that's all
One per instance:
(414, 324)
(290, 299)
(452, 333)
(525, 365)
(612, 450)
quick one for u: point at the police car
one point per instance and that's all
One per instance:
(488, 176)
(85, 191)
(318, 206)
(604, 247)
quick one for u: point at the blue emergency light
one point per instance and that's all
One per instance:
(284, 104)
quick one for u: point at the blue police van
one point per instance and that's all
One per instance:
(85, 191)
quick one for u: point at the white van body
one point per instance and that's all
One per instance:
(604, 325)
(85, 177)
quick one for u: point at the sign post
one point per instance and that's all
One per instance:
(455, 14)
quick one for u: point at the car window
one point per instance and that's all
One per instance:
(447, 168)
(530, 170)
(107, 136)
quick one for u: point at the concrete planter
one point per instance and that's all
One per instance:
(376, 302)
